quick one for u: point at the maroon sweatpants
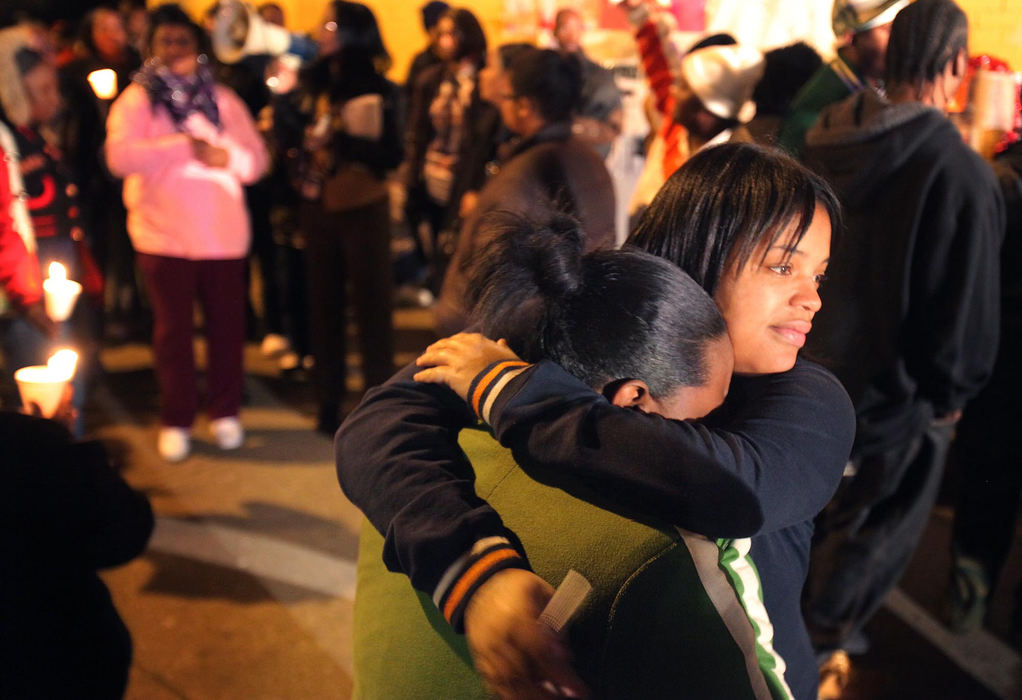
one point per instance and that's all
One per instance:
(174, 285)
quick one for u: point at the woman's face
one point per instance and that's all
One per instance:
(108, 33)
(326, 35)
(43, 94)
(447, 39)
(769, 304)
(176, 47)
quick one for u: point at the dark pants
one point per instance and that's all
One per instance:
(866, 536)
(349, 253)
(174, 284)
(990, 474)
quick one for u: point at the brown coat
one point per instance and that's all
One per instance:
(550, 165)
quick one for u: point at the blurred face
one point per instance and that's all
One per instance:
(510, 111)
(272, 14)
(108, 33)
(326, 34)
(43, 96)
(176, 47)
(769, 304)
(568, 32)
(448, 39)
(490, 85)
(871, 49)
(696, 401)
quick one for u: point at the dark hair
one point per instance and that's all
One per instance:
(724, 202)
(604, 316)
(432, 12)
(721, 39)
(85, 28)
(925, 37)
(172, 14)
(785, 71)
(471, 38)
(507, 52)
(356, 65)
(553, 81)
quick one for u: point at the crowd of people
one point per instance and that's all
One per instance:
(757, 451)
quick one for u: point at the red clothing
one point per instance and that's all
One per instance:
(20, 277)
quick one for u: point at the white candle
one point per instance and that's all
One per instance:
(45, 385)
(61, 293)
(103, 83)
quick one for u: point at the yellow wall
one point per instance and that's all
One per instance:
(995, 25)
(399, 21)
(995, 28)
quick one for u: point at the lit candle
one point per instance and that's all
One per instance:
(61, 293)
(45, 385)
(103, 83)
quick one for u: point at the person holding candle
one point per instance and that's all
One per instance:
(29, 104)
(185, 146)
(101, 69)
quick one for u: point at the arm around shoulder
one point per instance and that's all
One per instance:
(398, 460)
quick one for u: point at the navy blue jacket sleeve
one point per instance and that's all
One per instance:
(785, 436)
(399, 462)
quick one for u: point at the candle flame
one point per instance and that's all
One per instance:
(62, 364)
(57, 271)
(103, 83)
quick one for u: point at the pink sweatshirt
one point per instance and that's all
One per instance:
(178, 207)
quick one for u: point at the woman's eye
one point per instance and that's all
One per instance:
(820, 279)
(783, 269)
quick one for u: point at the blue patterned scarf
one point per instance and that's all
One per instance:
(180, 94)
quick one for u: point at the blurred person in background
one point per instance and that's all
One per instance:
(545, 169)
(431, 55)
(862, 28)
(341, 127)
(910, 314)
(704, 97)
(598, 115)
(991, 479)
(102, 44)
(29, 104)
(186, 146)
(785, 71)
(446, 149)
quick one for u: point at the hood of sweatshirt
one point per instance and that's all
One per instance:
(860, 142)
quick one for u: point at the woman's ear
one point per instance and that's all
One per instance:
(631, 393)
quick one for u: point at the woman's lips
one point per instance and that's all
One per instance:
(794, 332)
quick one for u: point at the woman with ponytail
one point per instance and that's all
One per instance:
(671, 357)
(753, 228)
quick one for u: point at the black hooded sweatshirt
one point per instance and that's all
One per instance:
(910, 313)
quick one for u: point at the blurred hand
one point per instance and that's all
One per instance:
(208, 154)
(516, 655)
(66, 414)
(36, 315)
(455, 361)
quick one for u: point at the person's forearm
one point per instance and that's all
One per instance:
(399, 461)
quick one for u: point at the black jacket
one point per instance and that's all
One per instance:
(66, 514)
(911, 307)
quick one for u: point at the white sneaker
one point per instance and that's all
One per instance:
(273, 344)
(227, 432)
(174, 444)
